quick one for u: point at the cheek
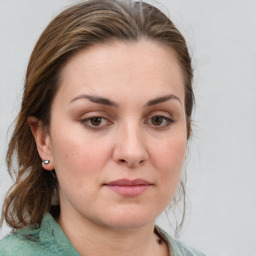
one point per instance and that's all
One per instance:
(76, 157)
(169, 158)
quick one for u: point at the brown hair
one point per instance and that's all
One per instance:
(84, 24)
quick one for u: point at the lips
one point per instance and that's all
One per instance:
(126, 182)
(126, 187)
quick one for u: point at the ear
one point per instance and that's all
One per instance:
(43, 141)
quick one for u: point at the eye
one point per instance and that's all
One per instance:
(95, 122)
(160, 121)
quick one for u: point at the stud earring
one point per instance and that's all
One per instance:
(46, 161)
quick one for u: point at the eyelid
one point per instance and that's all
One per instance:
(165, 114)
(95, 113)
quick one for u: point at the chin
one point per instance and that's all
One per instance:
(129, 219)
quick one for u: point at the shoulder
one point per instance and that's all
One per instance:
(25, 241)
(44, 239)
(183, 249)
(32, 240)
(178, 248)
(18, 242)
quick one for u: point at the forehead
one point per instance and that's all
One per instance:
(133, 67)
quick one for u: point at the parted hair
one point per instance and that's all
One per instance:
(82, 25)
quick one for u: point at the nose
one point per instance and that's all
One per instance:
(130, 149)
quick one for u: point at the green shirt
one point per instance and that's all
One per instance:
(49, 240)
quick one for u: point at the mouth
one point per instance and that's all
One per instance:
(129, 188)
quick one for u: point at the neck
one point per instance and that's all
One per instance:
(91, 239)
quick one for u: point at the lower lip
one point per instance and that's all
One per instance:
(129, 190)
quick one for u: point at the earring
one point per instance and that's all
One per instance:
(46, 161)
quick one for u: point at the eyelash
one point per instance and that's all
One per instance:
(88, 122)
(168, 121)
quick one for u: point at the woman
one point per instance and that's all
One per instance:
(101, 135)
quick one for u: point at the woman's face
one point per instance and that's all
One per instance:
(118, 133)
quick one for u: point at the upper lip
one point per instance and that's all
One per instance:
(127, 182)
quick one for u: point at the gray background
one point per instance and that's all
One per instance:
(221, 219)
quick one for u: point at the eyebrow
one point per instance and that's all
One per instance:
(162, 100)
(96, 99)
(107, 102)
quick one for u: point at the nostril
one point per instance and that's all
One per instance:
(131, 163)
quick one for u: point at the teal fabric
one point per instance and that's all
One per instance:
(177, 248)
(49, 240)
(46, 240)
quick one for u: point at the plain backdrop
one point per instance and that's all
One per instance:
(221, 34)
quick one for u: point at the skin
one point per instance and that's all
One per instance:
(134, 139)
